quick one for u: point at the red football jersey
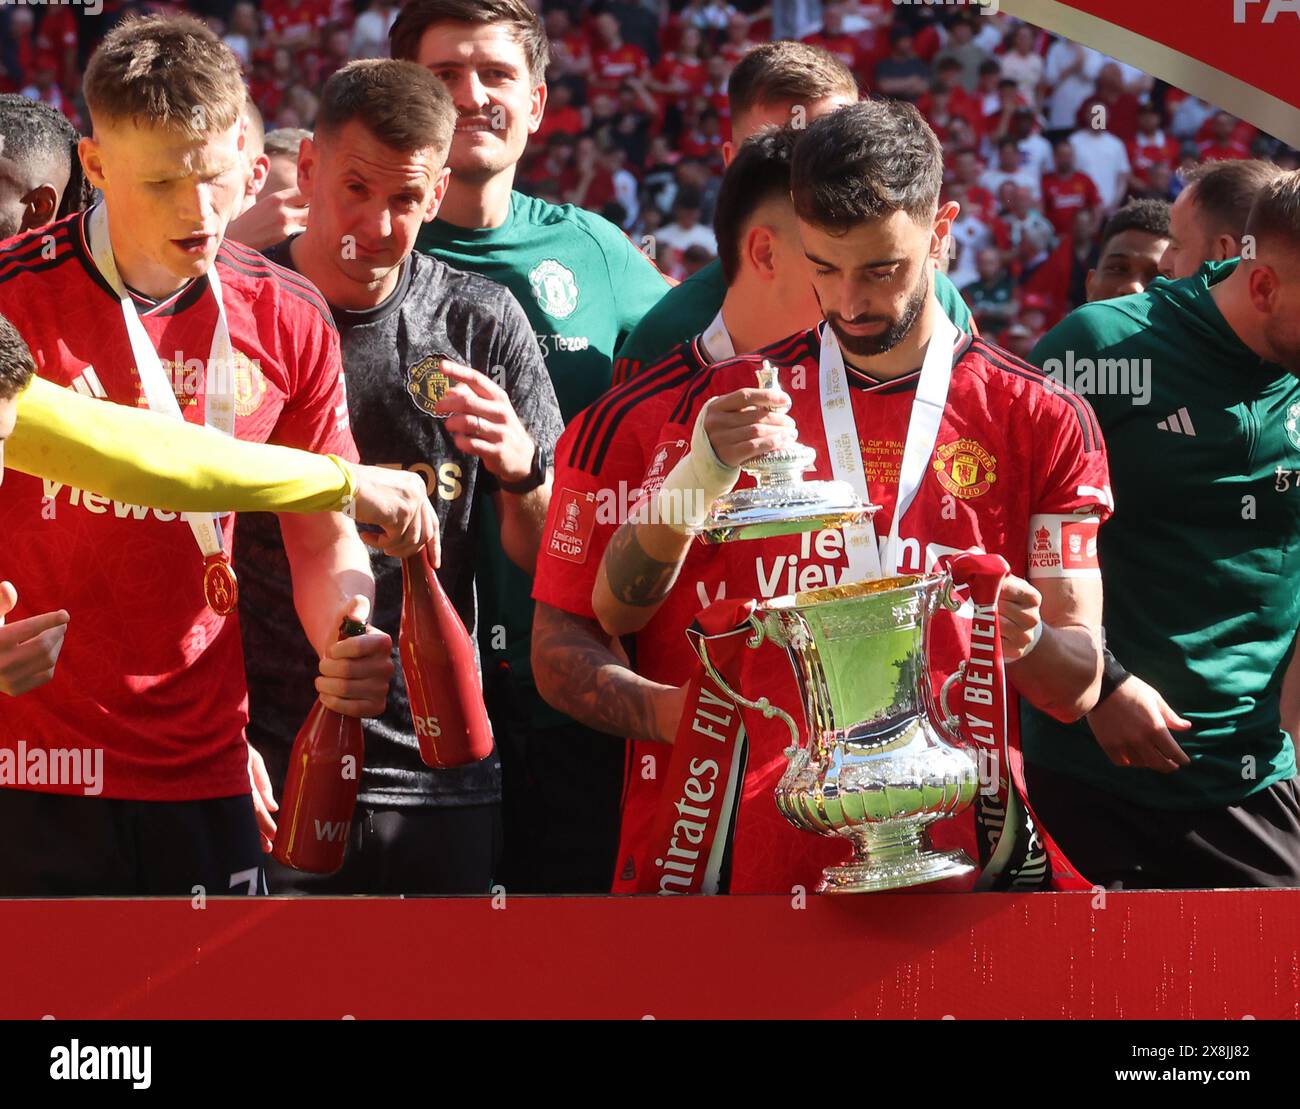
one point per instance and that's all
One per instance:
(610, 68)
(1008, 449)
(1063, 197)
(1145, 151)
(148, 673)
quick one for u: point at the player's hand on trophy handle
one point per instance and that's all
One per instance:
(29, 649)
(482, 421)
(747, 423)
(264, 803)
(1019, 614)
(398, 502)
(1134, 725)
(355, 673)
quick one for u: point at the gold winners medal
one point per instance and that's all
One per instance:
(220, 589)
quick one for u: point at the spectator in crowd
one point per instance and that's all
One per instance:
(686, 230)
(970, 235)
(1133, 252)
(1209, 217)
(1071, 74)
(961, 46)
(1023, 64)
(243, 35)
(1223, 144)
(903, 75)
(1112, 107)
(370, 32)
(1035, 150)
(1009, 169)
(1151, 146)
(614, 61)
(1021, 217)
(1106, 160)
(832, 38)
(992, 298)
(1066, 189)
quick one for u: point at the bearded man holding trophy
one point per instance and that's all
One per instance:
(877, 664)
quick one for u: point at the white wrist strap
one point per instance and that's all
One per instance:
(700, 478)
(1034, 639)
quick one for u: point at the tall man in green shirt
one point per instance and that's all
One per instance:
(775, 84)
(584, 286)
(1195, 385)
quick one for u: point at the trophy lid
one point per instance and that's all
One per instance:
(781, 502)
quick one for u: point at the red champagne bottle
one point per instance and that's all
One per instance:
(442, 678)
(320, 790)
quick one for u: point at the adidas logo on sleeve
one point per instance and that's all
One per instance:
(87, 383)
(1180, 423)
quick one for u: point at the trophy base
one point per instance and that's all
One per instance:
(877, 875)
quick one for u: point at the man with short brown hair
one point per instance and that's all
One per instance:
(1209, 217)
(444, 380)
(584, 286)
(140, 302)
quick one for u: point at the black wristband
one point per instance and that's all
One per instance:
(536, 475)
(1113, 675)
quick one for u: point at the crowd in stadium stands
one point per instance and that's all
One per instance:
(1043, 138)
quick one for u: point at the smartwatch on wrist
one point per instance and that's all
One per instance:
(1113, 675)
(536, 476)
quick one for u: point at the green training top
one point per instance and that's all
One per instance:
(690, 307)
(583, 285)
(1201, 561)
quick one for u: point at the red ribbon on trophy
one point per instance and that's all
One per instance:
(689, 838)
(1015, 851)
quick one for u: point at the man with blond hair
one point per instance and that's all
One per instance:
(139, 301)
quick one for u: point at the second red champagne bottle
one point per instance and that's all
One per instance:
(320, 790)
(439, 665)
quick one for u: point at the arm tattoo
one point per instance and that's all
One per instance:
(585, 679)
(634, 577)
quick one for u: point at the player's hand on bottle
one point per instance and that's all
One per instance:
(1018, 615)
(272, 219)
(356, 672)
(1134, 727)
(482, 421)
(29, 649)
(747, 423)
(398, 502)
(264, 803)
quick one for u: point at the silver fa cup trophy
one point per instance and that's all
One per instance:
(878, 760)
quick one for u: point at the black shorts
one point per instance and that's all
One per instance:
(1120, 845)
(53, 845)
(409, 850)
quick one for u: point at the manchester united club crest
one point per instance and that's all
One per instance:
(250, 385)
(555, 288)
(427, 384)
(1292, 425)
(965, 469)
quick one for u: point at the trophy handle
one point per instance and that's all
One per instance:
(753, 627)
(947, 721)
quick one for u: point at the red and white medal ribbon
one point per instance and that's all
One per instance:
(220, 588)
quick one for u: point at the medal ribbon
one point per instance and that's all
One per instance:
(866, 558)
(219, 378)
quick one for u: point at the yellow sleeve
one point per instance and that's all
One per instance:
(139, 457)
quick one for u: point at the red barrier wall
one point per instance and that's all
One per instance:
(1138, 955)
